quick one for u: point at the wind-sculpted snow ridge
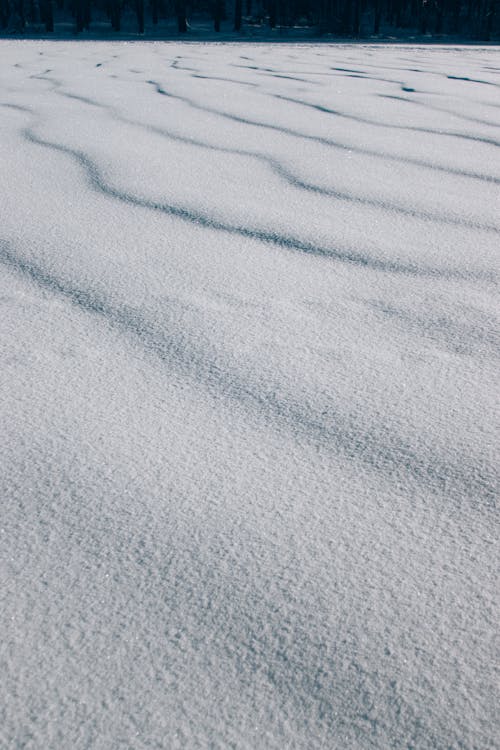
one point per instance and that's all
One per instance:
(329, 141)
(173, 348)
(249, 342)
(98, 183)
(368, 121)
(278, 167)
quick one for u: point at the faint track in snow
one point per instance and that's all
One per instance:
(266, 71)
(377, 447)
(476, 335)
(472, 80)
(17, 107)
(224, 80)
(272, 73)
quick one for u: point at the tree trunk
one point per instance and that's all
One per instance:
(4, 14)
(424, 17)
(376, 19)
(238, 9)
(272, 13)
(356, 22)
(485, 16)
(180, 11)
(115, 15)
(48, 13)
(80, 16)
(139, 9)
(438, 28)
(455, 23)
(217, 13)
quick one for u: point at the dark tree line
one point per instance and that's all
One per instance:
(475, 19)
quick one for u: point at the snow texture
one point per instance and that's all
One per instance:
(249, 346)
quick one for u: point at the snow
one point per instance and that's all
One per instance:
(249, 345)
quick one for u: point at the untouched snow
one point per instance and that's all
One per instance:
(249, 346)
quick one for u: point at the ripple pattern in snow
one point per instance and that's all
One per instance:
(249, 343)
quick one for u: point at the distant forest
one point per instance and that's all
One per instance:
(473, 19)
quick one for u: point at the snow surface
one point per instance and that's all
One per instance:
(249, 346)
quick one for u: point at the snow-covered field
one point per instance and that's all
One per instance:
(249, 341)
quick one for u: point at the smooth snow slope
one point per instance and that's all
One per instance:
(249, 344)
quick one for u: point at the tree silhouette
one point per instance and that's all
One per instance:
(473, 19)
